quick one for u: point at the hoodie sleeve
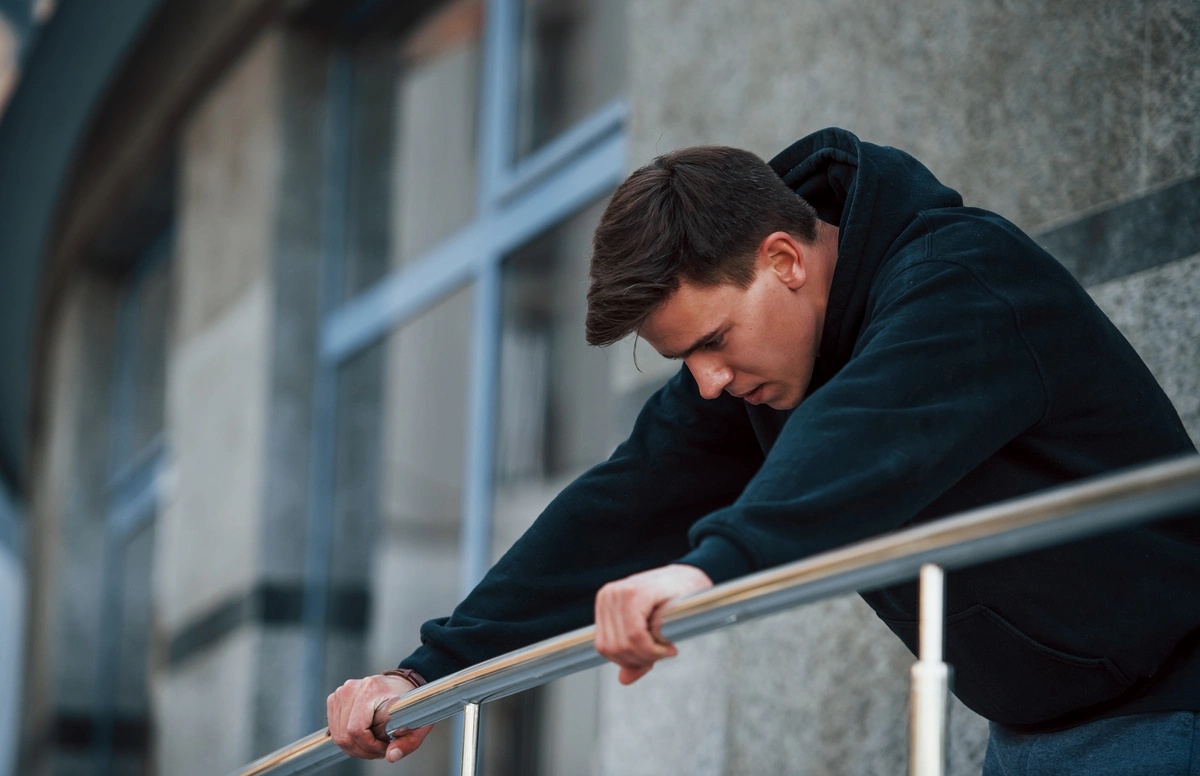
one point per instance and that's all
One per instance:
(940, 379)
(684, 458)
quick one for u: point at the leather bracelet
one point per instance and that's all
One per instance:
(407, 674)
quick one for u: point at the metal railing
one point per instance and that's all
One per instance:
(1157, 491)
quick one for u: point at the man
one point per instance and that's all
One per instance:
(861, 353)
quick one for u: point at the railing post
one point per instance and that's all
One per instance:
(470, 740)
(930, 681)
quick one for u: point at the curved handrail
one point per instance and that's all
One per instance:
(1157, 491)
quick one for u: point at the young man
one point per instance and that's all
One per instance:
(861, 352)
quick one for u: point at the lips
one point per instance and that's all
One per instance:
(755, 396)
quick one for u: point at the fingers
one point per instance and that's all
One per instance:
(629, 614)
(357, 713)
(406, 742)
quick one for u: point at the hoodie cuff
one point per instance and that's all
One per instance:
(429, 664)
(719, 558)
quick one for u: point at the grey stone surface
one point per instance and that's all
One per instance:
(676, 719)
(229, 189)
(824, 690)
(209, 703)
(826, 686)
(278, 716)
(209, 532)
(66, 532)
(1156, 311)
(1171, 146)
(1157, 228)
(294, 267)
(1038, 111)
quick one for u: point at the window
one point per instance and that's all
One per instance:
(468, 162)
(121, 733)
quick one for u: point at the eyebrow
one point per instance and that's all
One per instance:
(701, 342)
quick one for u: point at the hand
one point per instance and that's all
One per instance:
(629, 617)
(358, 718)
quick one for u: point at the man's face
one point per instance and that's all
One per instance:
(758, 343)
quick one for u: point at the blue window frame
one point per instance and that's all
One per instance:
(136, 457)
(517, 200)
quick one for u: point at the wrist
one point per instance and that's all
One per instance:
(407, 674)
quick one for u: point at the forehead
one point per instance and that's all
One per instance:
(690, 313)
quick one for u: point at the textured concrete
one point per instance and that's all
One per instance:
(294, 275)
(229, 190)
(209, 532)
(803, 679)
(1156, 310)
(676, 719)
(780, 695)
(66, 536)
(210, 699)
(1035, 110)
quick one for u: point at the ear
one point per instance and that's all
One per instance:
(784, 257)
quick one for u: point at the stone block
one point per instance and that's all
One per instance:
(216, 736)
(676, 719)
(822, 690)
(209, 531)
(1037, 111)
(229, 190)
(1156, 311)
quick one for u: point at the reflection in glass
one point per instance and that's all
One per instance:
(400, 451)
(131, 709)
(410, 143)
(572, 62)
(553, 422)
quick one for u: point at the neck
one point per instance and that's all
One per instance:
(824, 257)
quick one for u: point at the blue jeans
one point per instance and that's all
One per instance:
(1156, 744)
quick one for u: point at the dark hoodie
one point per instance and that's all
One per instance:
(960, 365)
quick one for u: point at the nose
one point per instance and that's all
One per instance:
(710, 374)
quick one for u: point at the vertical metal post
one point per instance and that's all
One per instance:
(470, 740)
(930, 681)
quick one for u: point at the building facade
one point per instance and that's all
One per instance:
(293, 337)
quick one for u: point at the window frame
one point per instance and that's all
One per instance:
(516, 202)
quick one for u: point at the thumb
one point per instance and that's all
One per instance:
(406, 742)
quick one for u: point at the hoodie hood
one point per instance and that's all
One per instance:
(874, 195)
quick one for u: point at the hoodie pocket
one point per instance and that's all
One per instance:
(1010, 677)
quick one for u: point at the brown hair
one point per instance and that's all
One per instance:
(696, 214)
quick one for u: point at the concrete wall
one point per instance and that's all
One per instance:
(231, 541)
(1078, 120)
(66, 535)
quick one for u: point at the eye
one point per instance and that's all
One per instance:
(715, 343)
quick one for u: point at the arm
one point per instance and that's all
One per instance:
(940, 380)
(685, 457)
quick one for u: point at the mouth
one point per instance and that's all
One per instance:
(755, 396)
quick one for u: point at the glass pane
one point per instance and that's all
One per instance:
(553, 387)
(139, 376)
(572, 62)
(154, 300)
(399, 461)
(412, 174)
(553, 422)
(131, 694)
